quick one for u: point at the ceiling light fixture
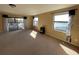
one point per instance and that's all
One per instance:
(12, 5)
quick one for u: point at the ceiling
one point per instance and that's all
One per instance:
(32, 9)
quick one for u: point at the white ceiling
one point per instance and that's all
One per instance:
(32, 9)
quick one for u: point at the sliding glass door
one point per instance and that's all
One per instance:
(13, 24)
(20, 23)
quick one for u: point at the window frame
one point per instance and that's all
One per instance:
(61, 13)
(35, 21)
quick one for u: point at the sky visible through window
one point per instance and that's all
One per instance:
(64, 17)
(35, 21)
(61, 22)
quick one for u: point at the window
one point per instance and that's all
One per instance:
(20, 22)
(61, 22)
(35, 21)
(13, 24)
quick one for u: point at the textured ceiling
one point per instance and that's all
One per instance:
(32, 9)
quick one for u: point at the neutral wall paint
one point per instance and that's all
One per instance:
(75, 28)
(1, 24)
(46, 19)
(29, 22)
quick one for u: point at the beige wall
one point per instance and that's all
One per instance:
(29, 22)
(75, 28)
(46, 19)
(1, 24)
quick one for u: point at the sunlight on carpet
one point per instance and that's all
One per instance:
(68, 50)
(33, 34)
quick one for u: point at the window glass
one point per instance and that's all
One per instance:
(61, 22)
(35, 21)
